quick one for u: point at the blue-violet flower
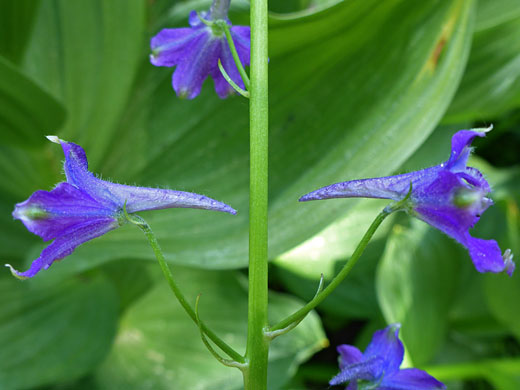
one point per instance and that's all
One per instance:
(196, 51)
(378, 366)
(450, 196)
(85, 207)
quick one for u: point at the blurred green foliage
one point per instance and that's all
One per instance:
(357, 89)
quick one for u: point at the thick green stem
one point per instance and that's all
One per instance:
(255, 377)
(300, 314)
(141, 223)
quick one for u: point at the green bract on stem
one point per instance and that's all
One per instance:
(143, 225)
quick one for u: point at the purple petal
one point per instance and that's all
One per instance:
(242, 39)
(386, 345)
(170, 45)
(461, 148)
(194, 19)
(196, 65)
(474, 177)
(50, 214)
(487, 256)
(352, 385)
(65, 244)
(456, 222)
(143, 198)
(363, 370)
(410, 379)
(348, 355)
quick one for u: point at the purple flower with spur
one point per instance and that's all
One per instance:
(85, 207)
(378, 366)
(450, 196)
(196, 51)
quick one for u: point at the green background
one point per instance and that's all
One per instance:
(357, 89)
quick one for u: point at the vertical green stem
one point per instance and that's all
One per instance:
(257, 344)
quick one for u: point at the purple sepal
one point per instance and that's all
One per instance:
(86, 207)
(379, 365)
(195, 52)
(386, 345)
(348, 355)
(65, 244)
(410, 379)
(364, 370)
(449, 196)
(50, 213)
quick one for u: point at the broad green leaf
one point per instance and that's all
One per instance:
(27, 112)
(502, 295)
(416, 283)
(87, 53)
(16, 22)
(491, 83)
(491, 13)
(158, 344)
(53, 333)
(394, 88)
(503, 374)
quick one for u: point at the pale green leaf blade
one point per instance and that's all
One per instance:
(87, 54)
(27, 112)
(158, 344)
(53, 333)
(416, 283)
(16, 23)
(491, 83)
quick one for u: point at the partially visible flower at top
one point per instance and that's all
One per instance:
(450, 196)
(196, 51)
(378, 366)
(85, 207)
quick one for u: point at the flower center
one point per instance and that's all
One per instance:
(471, 198)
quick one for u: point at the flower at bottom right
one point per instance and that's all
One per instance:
(378, 367)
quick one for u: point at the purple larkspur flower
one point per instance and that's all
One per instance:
(378, 366)
(195, 52)
(450, 196)
(85, 207)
